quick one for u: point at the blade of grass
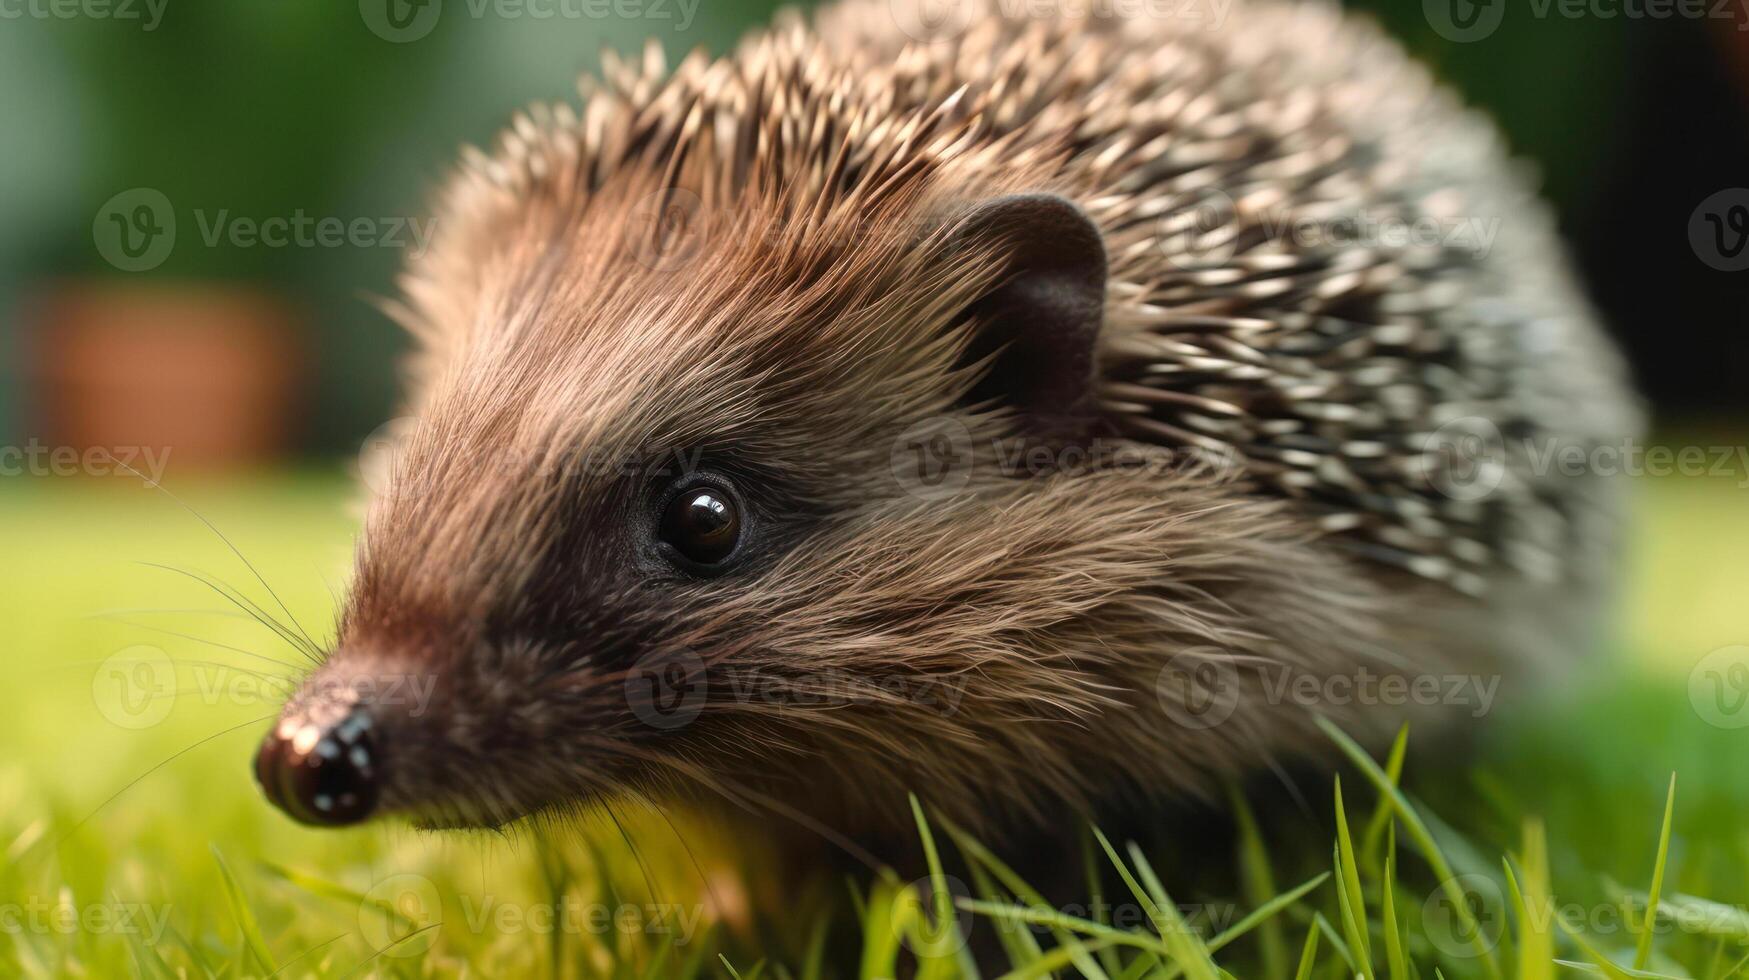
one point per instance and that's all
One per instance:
(943, 943)
(1381, 814)
(1266, 912)
(1308, 954)
(246, 924)
(1593, 970)
(1144, 965)
(1352, 902)
(1424, 842)
(882, 923)
(815, 957)
(1394, 958)
(1351, 927)
(1591, 952)
(327, 889)
(1081, 956)
(365, 963)
(146, 959)
(1531, 905)
(1198, 963)
(1045, 916)
(1018, 943)
(1735, 968)
(1086, 927)
(1108, 957)
(1075, 954)
(1180, 951)
(1161, 926)
(1643, 950)
(1336, 942)
(195, 955)
(981, 856)
(324, 944)
(1257, 880)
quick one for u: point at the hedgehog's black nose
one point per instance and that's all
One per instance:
(326, 776)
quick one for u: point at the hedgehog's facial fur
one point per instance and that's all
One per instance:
(515, 557)
(873, 634)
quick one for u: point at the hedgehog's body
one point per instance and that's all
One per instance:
(866, 249)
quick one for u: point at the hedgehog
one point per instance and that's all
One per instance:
(1015, 411)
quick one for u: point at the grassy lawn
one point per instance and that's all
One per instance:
(133, 841)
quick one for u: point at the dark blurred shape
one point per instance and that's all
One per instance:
(1686, 126)
(1632, 121)
(208, 372)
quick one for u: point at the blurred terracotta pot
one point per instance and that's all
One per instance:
(207, 371)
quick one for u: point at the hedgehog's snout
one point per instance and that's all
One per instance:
(321, 766)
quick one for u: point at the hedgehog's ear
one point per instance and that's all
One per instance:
(1041, 320)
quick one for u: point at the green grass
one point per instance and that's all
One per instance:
(133, 842)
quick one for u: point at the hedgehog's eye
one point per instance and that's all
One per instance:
(703, 524)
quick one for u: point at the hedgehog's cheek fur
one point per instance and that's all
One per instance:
(889, 654)
(985, 677)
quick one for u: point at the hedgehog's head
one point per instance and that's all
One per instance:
(728, 499)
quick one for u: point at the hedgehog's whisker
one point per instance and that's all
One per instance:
(229, 544)
(685, 846)
(631, 845)
(211, 643)
(112, 614)
(264, 675)
(55, 842)
(744, 798)
(310, 651)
